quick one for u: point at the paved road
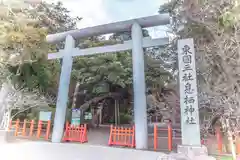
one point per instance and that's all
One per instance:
(60, 151)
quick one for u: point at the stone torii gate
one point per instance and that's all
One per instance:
(136, 45)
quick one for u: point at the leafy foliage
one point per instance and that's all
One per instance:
(114, 68)
(20, 38)
(23, 45)
(56, 17)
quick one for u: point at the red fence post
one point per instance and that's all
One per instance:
(39, 129)
(133, 137)
(122, 136)
(24, 127)
(85, 133)
(110, 136)
(219, 139)
(17, 127)
(169, 137)
(66, 132)
(238, 146)
(48, 130)
(31, 128)
(155, 137)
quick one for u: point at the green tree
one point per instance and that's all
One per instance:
(114, 68)
(24, 47)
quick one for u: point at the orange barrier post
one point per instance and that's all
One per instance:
(155, 137)
(122, 136)
(31, 128)
(85, 137)
(133, 137)
(75, 133)
(24, 127)
(66, 133)
(39, 129)
(17, 127)
(219, 140)
(110, 136)
(169, 137)
(238, 146)
(48, 130)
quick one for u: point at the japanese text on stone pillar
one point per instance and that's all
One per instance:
(187, 79)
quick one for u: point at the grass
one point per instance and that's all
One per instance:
(225, 158)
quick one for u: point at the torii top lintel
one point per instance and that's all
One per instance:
(144, 22)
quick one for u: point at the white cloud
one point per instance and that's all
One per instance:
(128, 9)
(97, 12)
(91, 11)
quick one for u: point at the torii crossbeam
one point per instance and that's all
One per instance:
(136, 45)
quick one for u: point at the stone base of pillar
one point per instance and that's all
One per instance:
(7, 136)
(194, 152)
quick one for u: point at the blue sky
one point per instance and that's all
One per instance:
(96, 12)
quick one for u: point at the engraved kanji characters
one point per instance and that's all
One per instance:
(187, 79)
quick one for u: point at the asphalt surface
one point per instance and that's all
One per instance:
(26, 150)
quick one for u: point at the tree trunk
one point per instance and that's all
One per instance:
(75, 95)
(3, 106)
(96, 99)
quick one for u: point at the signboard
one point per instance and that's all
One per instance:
(45, 116)
(188, 93)
(101, 88)
(76, 114)
(75, 122)
(88, 116)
